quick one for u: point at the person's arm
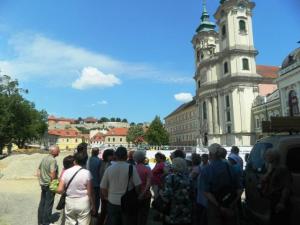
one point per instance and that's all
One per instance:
(210, 197)
(136, 180)
(148, 184)
(104, 186)
(61, 186)
(91, 196)
(53, 170)
(104, 193)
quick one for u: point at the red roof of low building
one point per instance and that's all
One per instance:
(90, 120)
(64, 133)
(98, 137)
(267, 71)
(117, 132)
(61, 119)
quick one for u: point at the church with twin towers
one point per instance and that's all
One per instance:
(227, 80)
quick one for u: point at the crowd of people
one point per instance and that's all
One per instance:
(118, 187)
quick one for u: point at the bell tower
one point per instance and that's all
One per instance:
(234, 19)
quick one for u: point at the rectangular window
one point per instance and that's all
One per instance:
(257, 123)
(245, 64)
(109, 139)
(113, 140)
(227, 101)
(228, 129)
(121, 139)
(228, 116)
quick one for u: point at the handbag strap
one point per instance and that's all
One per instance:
(72, 179)
(129, 175)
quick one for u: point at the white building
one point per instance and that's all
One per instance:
(289, 84)
(182, 125)
(226, 76)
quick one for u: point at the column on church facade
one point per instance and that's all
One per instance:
(209, 116)
(282, 92)
(221, 113)
(215, 114)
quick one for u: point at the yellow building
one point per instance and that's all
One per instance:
(116, 137)
(64, 139)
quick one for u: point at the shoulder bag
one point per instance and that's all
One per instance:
(129, 201)
(62, 200)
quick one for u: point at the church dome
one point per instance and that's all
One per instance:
(292, 58)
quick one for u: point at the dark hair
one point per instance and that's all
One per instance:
(196, 159)
(178, 153)
(235, 149)
(82, 147)
(222, 153)
(68, 162)
(121, 153)
(159, 155)
(107, 153)
(204, 156)
(80, 158)
(95, 151)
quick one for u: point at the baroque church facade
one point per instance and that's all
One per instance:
(226, 75)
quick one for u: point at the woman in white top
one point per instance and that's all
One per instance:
(79, 201)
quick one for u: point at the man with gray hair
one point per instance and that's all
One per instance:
(47, 171)
(221, 188)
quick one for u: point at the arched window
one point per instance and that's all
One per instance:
(245, 64)
(204, 111)
(225, 67)
(223, 31)
(293, 103)
(242, 25)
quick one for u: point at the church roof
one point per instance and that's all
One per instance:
(293, 57)
(205, 24)
(267, 71)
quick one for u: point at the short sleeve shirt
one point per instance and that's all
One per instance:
(217, 175)
(157, 173)
(46, 167)
(144, 173)
(78, 186)
(115, 180)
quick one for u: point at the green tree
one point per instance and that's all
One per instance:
(20, 122)
(135, 135)
(157, 134)
(83, 130)
(103, 119)
(118, 119)
(132, 124)
(124, 121)
(113, 119)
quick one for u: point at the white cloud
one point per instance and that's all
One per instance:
(183, 97)
(103, 102)
(92, 77)
(35, 56)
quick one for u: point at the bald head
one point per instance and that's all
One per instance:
(54, 150)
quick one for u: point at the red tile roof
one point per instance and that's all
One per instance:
(61, 119)
(98, 137)
(117, 132)
(64, 133)
(90, 120)
(267, 71)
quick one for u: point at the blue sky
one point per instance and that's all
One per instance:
(119, 58)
